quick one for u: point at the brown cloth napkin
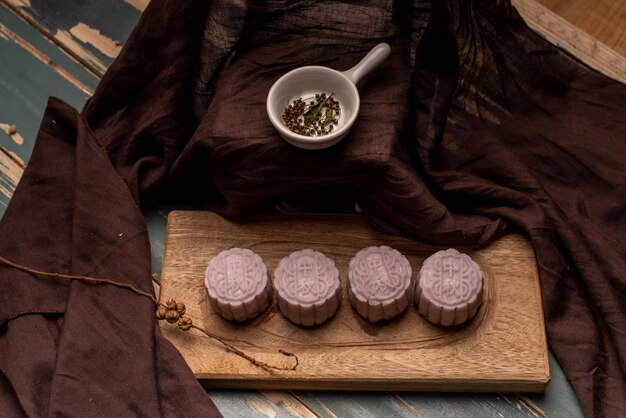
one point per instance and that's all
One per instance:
(473, 127)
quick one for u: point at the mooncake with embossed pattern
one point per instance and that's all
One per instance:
(308, 289)
(449, 288)
(238, 284)
(379, 283)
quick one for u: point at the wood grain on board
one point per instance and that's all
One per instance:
(578, 41)
(502, 349)
(604, 20)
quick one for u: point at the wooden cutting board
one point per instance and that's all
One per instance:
(502, 349)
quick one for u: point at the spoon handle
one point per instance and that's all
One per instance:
(373, 59)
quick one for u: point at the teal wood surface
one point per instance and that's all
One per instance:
(93, 31)
(559, 400)
(363, 404)
(246, 403)
(252, 403)
(42, 44)
(34, 68)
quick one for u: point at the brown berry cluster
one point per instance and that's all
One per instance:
(312, 117)
(173, 313)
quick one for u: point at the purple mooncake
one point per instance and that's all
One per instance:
(449, 288)
(308, 289)
(238, 284)
(379, 283)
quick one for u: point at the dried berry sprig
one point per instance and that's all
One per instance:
(171, 311)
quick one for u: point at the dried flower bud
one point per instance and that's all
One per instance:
(185, 323)
(180, 308)
(160, 312)
(171, 304)
(171, 316)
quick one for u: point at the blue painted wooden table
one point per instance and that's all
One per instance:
(54, 48)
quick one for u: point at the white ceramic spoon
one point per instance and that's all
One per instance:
(307, 81)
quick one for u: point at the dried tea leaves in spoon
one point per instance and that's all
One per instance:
(316, 116)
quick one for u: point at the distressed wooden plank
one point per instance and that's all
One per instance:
(91, 31)
(290, 403)
(11, 130)
(10, 174)
(360, 404)
(604, 20)
(574, 40)
(559, 399)
(9, 34)
(140, 5)
(41, 45)
(434, 405)
(254, 404)
(463, 405)
(33, 69)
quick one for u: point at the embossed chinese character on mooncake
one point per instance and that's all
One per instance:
(449, 288)
(308, 289)
(238, 284)
(379, 283)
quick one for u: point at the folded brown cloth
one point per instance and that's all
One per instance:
(474, 126)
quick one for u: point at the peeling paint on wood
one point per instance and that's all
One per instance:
(290, 403)
(253, 404)
(559, 399)
(18, 3)
(108, 20)
(70, 43)
(18, 160)
(10, 174)
(357, 404)
(44, 58)
(325, 410)
(73, 49)
(406, 404)
(21, 8)
(520, 405)
(138, 4)
(32, 70)
(468, 404)
(11, 130)
(39, 41)
(109, 47)
(531, 406)
(263, 407)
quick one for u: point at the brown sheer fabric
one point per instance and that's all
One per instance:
(474, 126)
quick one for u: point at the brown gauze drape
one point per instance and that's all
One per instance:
(473, 127)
